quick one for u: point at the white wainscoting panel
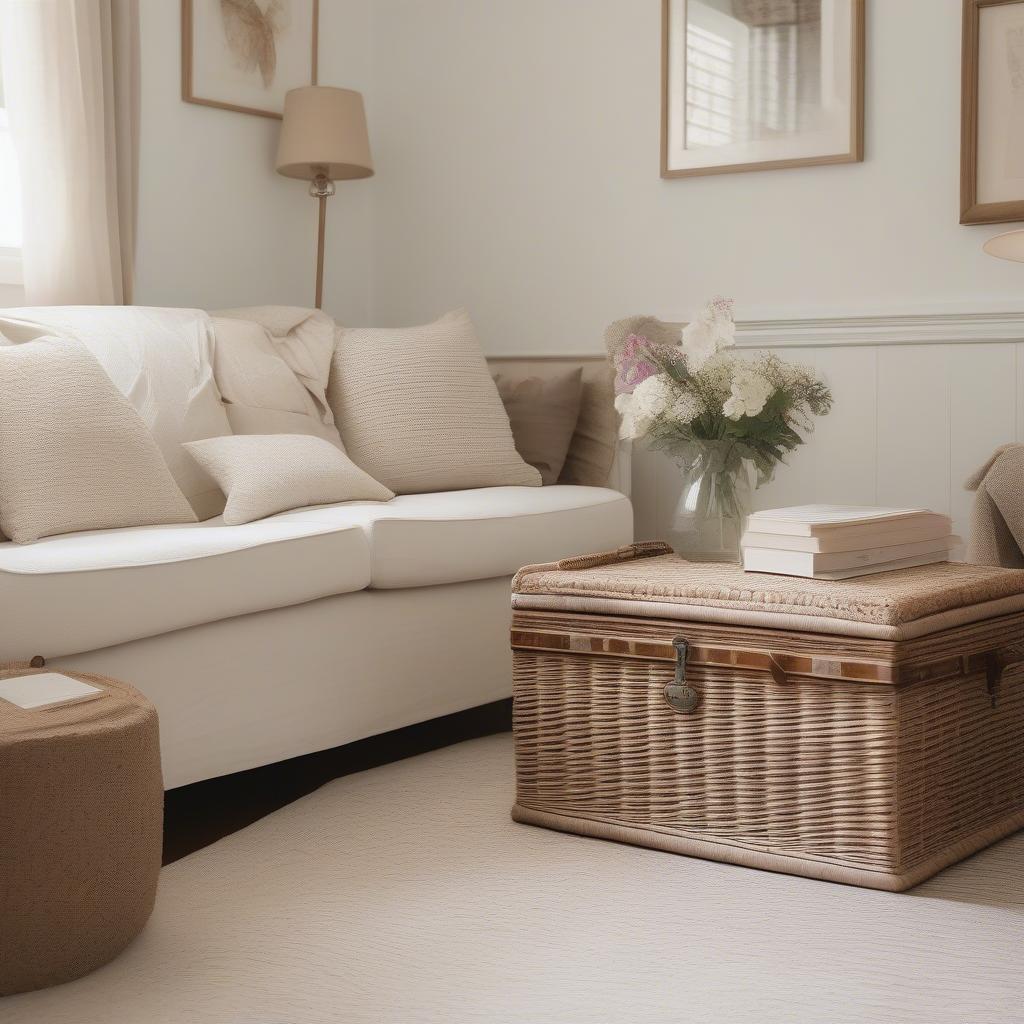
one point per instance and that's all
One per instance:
(913, 426)
(1020, 392)
(920, 402)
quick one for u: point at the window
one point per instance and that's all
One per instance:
(710, 88)
(10, 203)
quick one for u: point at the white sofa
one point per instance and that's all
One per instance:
(307, 630)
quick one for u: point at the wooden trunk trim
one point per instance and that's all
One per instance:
(779, 666)
(886, 669)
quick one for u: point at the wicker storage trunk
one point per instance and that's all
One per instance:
(869, 731)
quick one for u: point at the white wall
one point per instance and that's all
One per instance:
(217, 226)
(517, 155)
(518, 152)
(918, 407)
(517, 148)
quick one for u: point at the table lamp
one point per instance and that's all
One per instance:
(323, 140)
(1007, 246)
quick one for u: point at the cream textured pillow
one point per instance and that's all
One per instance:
(74, 454)
(271, 364)
(266, 473)
(160, 360)
(417, 409)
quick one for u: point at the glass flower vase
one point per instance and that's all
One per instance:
(716, 498)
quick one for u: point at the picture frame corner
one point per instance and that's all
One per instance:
(188, 91)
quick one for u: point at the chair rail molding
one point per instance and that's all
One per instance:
(842, 332)
(904, 329)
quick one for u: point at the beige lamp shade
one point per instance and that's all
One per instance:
(324, 132)
(1007, 246)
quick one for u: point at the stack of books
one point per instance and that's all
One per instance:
(837, 542)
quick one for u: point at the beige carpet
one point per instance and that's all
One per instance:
(406, 894)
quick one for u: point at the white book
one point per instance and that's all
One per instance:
(43, 689)
(817, 520)
(854, 538)
(805, 563)
(867, 570)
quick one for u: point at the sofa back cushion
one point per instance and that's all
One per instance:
(74, 454)
(418, 410)
(271, 364)
(161, 361)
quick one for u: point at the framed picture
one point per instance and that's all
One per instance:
(751, 85)
(992, 112)
(245, 55)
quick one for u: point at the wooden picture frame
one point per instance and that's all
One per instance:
(188, 64)
(982, 202)
(853, 150)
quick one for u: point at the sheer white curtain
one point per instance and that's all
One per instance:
(70, 71)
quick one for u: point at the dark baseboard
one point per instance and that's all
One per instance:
(198, 815)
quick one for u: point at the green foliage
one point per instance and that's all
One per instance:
(719, 443)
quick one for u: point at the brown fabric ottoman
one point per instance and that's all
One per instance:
(81, 818)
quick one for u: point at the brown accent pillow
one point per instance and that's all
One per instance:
(543, 414)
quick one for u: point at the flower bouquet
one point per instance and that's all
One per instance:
(721, 416)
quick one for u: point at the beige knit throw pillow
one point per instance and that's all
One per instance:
(74, 454)
(417, 409)
(262, 474)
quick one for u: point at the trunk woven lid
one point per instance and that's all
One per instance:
(650, 573)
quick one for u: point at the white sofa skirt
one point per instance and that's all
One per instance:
(259, 688)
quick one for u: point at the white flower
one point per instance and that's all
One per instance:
(749, 393)
(656, 397)
(708, 333)
(699, 343)
(624, 407)
(652, 398)
(715, 375)
(685, 409)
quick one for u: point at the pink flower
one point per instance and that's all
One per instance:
(633, 364)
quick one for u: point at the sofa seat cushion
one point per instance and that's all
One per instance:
(419, 540)
(83, 591)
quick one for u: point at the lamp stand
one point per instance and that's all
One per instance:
(321, 188)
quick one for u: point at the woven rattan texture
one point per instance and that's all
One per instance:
(873, 778)
(890, 598)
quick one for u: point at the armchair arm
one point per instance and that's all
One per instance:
(621, 476)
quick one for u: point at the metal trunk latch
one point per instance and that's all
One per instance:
(679, 695)
(996, 664)
(993, 679)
